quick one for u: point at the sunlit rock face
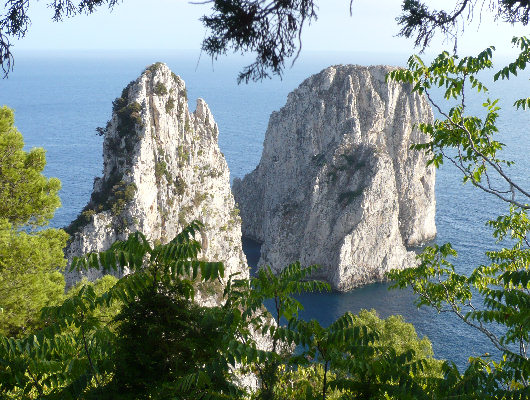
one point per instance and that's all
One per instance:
(337, 184)
(162, 168)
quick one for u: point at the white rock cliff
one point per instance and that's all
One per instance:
(337, 184)
(162, 169)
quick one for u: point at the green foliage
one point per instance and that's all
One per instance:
(162, 336)
(472, 137)
(104, 313)
(187, 126)
(122, 193)
(420, 21)
(183, 154)
(355, 357)
(129, 114)
(199, 198)
(160, 89)
(114, 196)
(161, 170)
(180, 185)
(88, 214)
(352, 162)
(303, 382)
(170, 104)
(26, 196)
(401, 336)
(29, 276)
(74, 355)
(504, 284)
(142, 336)
(270, 30)
(30, 259)
(249, 296)
(154, 67)
(365, 357)
(332, 175)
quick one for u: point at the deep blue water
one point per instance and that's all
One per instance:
(60, 99)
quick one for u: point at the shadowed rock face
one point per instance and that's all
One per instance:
(337, 184)
(162, 169)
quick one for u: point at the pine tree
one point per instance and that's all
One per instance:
(30, 258)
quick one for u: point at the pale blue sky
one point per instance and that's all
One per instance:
(174, 24)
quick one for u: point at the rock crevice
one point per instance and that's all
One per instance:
(337, 184)
(162, 168)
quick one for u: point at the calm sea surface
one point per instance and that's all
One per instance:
(60, 99)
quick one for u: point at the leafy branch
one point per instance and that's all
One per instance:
(468, 143)
(470, 136)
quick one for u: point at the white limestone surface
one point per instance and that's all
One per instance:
(337, 183)
(162, 169)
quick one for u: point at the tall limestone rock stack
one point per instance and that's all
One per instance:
(162, 169)
(337, 184)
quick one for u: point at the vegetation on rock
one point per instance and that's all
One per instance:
(90, 343)
(114, 195)
(160, 89)
(170, 104)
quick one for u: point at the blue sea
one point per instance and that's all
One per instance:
(60, 98)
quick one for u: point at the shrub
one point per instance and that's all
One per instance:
(88, 214)
(161, 170)
(183, 155)
(154, 67)
(180, 185)
(187, 127)
(332, 175)
(199, 198)
(170, 104)
(114, 196)
(184, 214)
(128, 115)
(346, 198)
(122, 193)
(234, 212)
(160, 89)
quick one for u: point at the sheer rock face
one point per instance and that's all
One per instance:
(337, 184)
(162, 169)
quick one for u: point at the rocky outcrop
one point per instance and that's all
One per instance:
(162, 169)
(337, 184)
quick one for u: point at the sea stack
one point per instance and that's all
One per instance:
(338, 184)
(162, 168)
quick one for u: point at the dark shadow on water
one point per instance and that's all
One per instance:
(450, 337)
(252, 250)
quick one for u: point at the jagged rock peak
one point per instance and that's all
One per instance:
(337, 184)
(162, 168)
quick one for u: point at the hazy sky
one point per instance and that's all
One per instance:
(174, 24)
